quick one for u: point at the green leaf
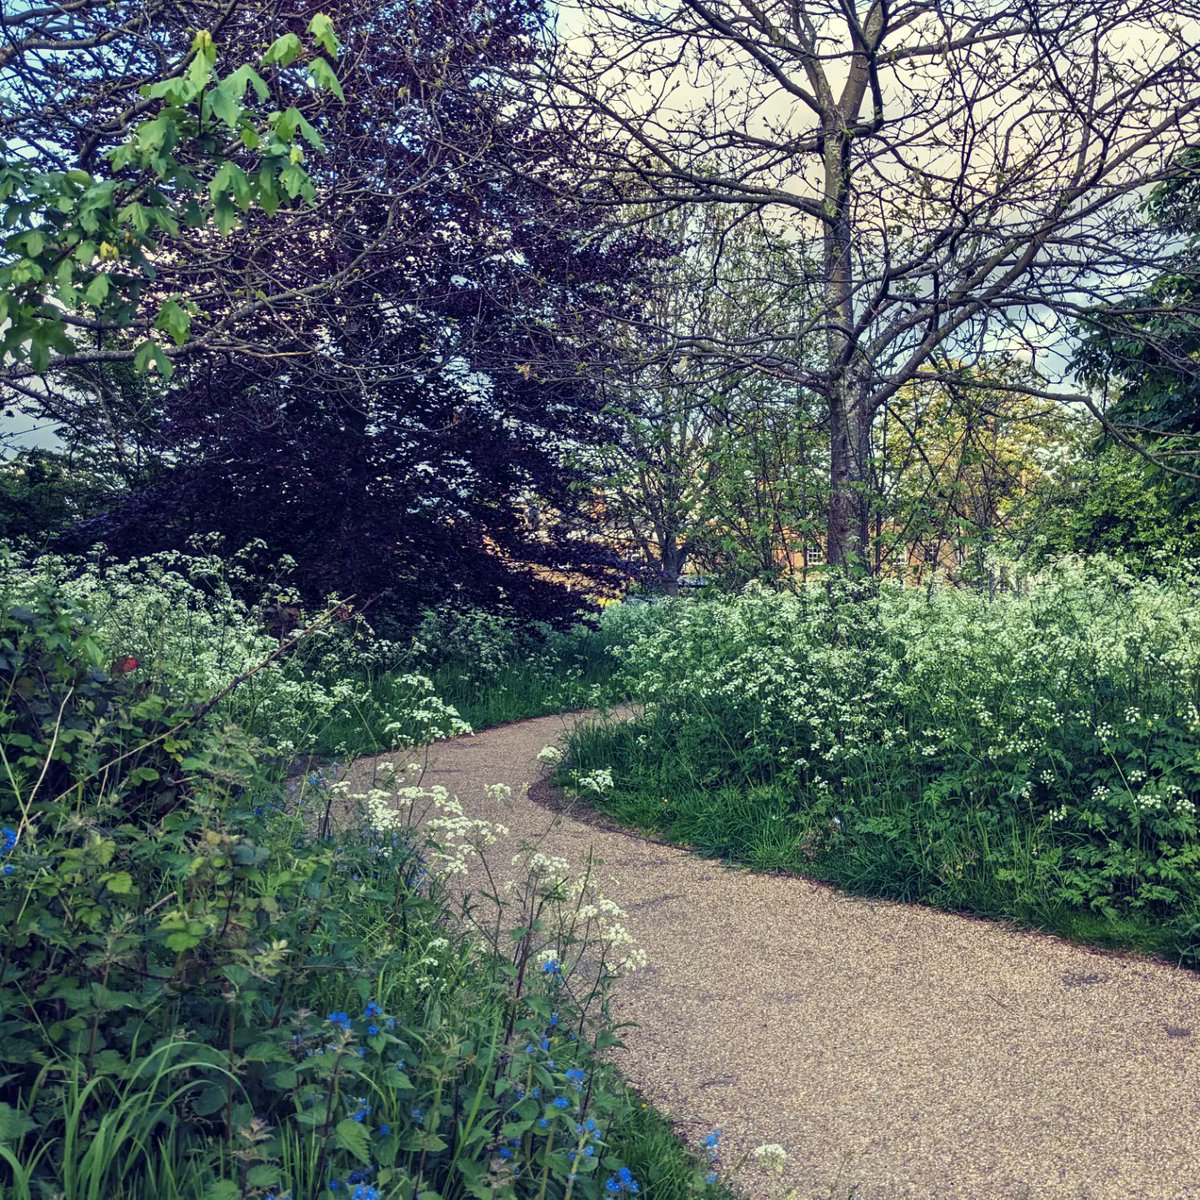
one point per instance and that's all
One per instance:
(14, 1124)
(34, 242)
(295, 181)
(246, 76)
(352, 1136)
(210, 1100)
(224, 103)
(225, 213)
(97, 291)
(321, 30)
(222, 1189)
(285, 123)
(200, 69)
(120, 883)
(150, 352)
(231, 179)
(325, 77)
(137, 215)
(154, 135)
(174, 320)
(283, 50)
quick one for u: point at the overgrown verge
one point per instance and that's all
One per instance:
(1035, 756)
(220, 981)
(492, 670)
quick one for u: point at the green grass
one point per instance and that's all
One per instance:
(898, 851)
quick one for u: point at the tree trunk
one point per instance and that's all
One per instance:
(850, 412)
(671, 564)
(848, 534)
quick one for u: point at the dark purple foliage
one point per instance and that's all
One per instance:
(419, 356)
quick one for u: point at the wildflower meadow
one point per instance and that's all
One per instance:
(227, 975)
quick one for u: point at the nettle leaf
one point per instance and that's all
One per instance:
(14, 1124)
(352, 1136)
(211, 1099)
(321, 30)
(223, 1189)
(263, 1175)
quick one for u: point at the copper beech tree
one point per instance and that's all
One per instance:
(382, 375)
(966, 175)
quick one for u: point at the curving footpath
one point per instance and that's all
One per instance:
(892, 1049)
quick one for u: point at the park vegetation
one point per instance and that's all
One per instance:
(814, 381)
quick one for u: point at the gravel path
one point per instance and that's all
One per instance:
(904, 1052)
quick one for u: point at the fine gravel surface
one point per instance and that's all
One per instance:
(892, 1049)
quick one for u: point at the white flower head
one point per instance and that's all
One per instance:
(771, 1156)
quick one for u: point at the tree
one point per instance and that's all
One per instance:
(715, 463)
(967, 171)
(1142, 352)
(381, 383)
(88, 234)
(961, 468)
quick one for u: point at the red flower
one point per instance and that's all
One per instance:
(122, 666)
